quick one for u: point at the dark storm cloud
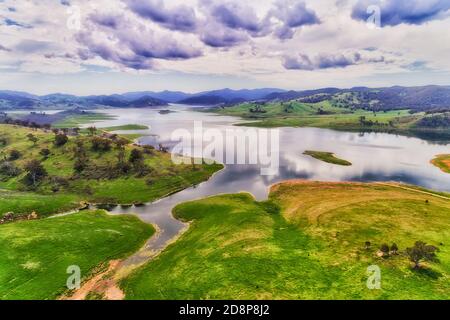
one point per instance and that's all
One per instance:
(395, 12)
(181, 18)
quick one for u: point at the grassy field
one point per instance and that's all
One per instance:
(326, 114)
(328, 157)
(36, 254)
(164, 177)
(22, 203)
(442, 161)
(306, 242)
(126, 127)
(78, 120)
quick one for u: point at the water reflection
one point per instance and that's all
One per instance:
(375, 157)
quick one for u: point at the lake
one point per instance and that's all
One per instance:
(375, 157)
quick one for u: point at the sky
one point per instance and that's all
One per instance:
(114, 46)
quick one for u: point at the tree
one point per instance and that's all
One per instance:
(35, 172)
(80, 156)
(101, 144)
(14, 155)
(32, 138)
(44, 152)
(384, 249)
(421, 251)
(92, 130)
(136, 155)
(8, 169)
(394, 249)
(61, 139)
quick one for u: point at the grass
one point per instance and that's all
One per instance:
(36, 254)
(442, 161)
(126, 127)
(306, 242)
(328, 157)
(78, 120)
(23, 203)
(165, 178)
(326, 115)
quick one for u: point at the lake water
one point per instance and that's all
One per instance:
(375, 157)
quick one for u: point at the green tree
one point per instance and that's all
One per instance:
(136, 155)
(35, 172)
(421, 251)
(14, 154)
(394, 248)
(61, 139)
(92, 130)
(384, 249)
(32, 138)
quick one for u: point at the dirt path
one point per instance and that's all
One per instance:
(414, 190)
(105, 283)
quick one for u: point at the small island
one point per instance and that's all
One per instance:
(328, 157)
(442, 161)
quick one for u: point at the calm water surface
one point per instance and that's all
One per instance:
(375, 157)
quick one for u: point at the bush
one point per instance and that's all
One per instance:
(9, 169)
(100, 144)
(421, 251)
(35, 173)
(384, 249)
(44, 152)
(61, 139)
(14, 155)
(136, 156)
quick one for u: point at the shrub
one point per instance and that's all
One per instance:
(394, 248)
(9, 169)
(14, 155)
(35, 172)
(421, 251)
(384, 249)
(100, 144)
(61, 139)
(44, 152)
(136, 155)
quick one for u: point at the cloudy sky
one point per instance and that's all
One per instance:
(113, 46)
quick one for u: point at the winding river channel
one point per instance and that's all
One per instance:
(375, 157)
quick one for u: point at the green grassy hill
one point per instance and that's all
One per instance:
(307, 242)
(333, 115)
(442, 161)
(36, 254)
(101, 180)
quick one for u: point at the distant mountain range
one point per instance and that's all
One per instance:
(10, 100)
(424, 98)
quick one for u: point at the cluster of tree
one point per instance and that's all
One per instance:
(315, 98)
(24, 123)
(370, 123)
(257, 109)
(436, 121)
(8, 170)
(101, 144)
(417, 253)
